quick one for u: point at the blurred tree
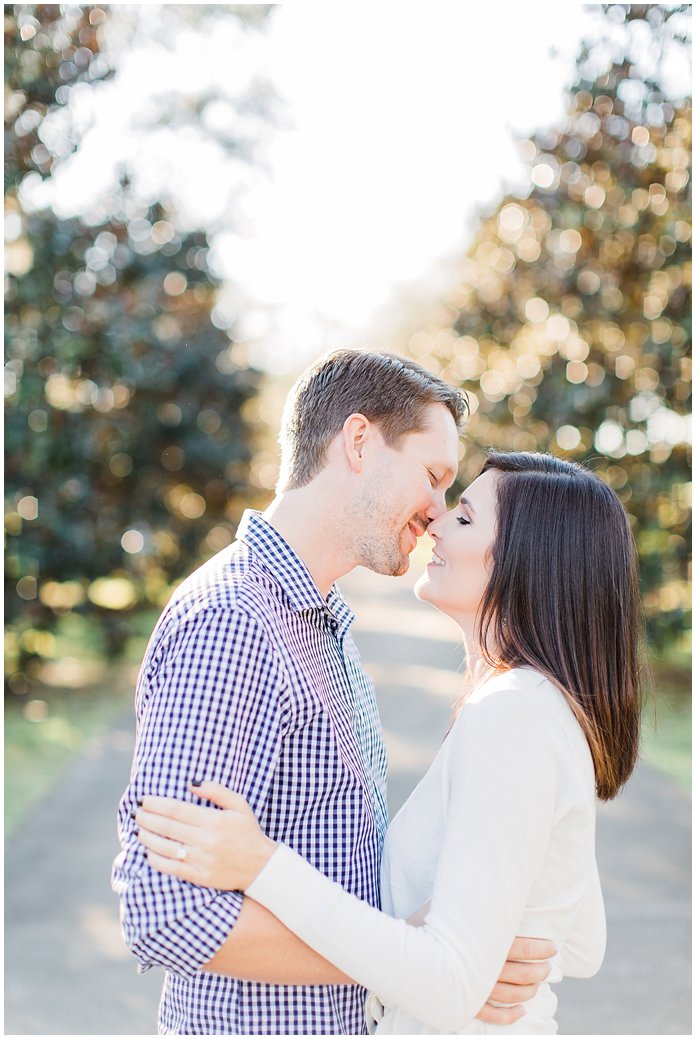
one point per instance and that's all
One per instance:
(572, 319)
(127, 449)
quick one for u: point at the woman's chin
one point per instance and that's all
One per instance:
(422, 587)
(426, 590)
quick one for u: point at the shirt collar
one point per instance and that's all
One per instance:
(340, 609)
(289, 571)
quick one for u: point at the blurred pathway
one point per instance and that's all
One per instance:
(68, 972)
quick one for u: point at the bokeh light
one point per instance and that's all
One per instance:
(571, 317)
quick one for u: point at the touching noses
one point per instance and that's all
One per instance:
(437, 507)
(435, 527)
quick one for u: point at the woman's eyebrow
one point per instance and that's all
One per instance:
(465, 501)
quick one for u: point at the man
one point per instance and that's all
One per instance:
(251, 680)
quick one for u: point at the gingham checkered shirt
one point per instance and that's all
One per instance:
(251, 679)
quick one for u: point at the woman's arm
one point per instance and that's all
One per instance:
(583, 951)
(226, 850)
(502, 781)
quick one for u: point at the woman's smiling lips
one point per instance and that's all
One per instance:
(436, 560)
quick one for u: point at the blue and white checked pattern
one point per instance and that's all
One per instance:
(251, 679)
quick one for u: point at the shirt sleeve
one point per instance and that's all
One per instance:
(583, 951)
(500, 797)
(210, 708)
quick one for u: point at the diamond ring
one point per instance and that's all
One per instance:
(181, 852)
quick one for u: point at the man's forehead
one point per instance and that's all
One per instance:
(438, 416)
(436, 444)
(441, 432)
(438, 420)
(441, 454)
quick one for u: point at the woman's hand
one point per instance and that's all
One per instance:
(221, 849)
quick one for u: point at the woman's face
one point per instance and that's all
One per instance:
(458, 573)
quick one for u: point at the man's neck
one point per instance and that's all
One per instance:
(304, 520)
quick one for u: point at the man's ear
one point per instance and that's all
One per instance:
(357, 430)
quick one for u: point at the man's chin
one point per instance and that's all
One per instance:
(392, 561)
(395, 566)
(402, 568)
(402, 562)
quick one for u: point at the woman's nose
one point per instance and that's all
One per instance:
(433, 528)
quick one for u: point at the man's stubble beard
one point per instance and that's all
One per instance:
(376, 540)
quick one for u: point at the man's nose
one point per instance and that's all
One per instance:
(437, 507)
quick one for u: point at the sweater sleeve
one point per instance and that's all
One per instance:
(500, 785)
(583, 951)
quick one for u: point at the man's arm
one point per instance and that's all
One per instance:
(261, 948)
(212, 709)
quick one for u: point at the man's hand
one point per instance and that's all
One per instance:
(519, 980)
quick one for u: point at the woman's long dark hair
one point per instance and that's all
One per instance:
(563, 598)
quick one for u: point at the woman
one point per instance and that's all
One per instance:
(537, 565)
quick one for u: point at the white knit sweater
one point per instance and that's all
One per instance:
(499, 834)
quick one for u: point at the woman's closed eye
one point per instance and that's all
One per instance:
(464, 522)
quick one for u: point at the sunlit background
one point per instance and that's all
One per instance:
(200, 199)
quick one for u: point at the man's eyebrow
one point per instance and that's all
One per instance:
(465, 501)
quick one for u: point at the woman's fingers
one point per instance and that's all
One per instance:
(503, 993)
(174, 867)
(194, 814)
(531, 949)
(164, 855)
(182, 811)
(168, 849)
(166, 827)
(524, 973)
(206, 846)
(220, 795)
(493, 1015)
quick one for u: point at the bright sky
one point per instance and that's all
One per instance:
(397, 122)
(403, 116)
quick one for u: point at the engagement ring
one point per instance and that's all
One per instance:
(181, 852)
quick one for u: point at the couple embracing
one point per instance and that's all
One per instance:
(257, 867)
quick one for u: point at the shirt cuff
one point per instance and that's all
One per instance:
(184, 945)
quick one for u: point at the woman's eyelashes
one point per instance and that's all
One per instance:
(464, 522)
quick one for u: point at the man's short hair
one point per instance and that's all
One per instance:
(388, 390)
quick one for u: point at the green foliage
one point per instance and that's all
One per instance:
(666, 733)
(42, 737)
(127, 449)
(573, 315)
